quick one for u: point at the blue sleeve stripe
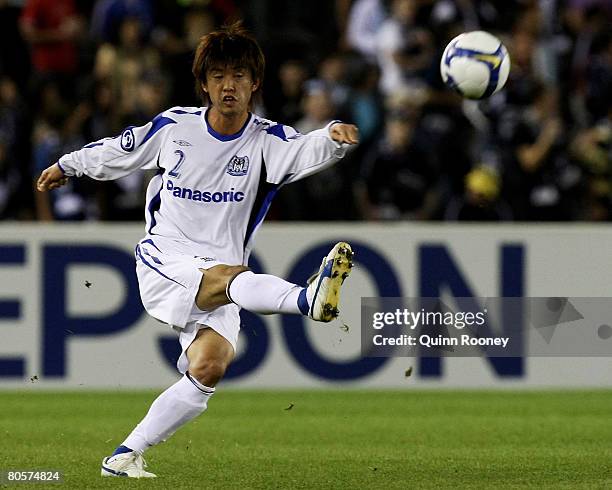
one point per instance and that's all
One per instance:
(278, 131)
(92, 145)
(157, 123)
(180, 111)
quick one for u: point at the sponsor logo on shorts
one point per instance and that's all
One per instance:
(238, 166)
(204, 196)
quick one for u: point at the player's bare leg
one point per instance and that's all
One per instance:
(263, 293)
(212, 292)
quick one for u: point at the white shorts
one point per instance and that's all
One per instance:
(169, 280)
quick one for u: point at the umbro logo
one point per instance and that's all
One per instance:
(204, 259)
(182, 143)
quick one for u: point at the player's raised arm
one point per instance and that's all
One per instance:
(110, 158)
(291, 156)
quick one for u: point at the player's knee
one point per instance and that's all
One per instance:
(207, 371)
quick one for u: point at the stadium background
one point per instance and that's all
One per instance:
(72, 324)
(539, 150)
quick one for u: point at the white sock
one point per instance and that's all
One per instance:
(183, 401)
(263, 293)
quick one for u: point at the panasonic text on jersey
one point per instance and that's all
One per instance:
(204, 196)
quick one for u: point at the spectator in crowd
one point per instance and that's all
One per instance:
(469, 14)
(15, 175)
(364, 105)
(12, 59)
(8, 179)
(318, 106)
(328, 193)
(524, 78)
(109, 15)
(56, 132)
(448, 135)
(101, 106)
(599, 78)
(592, 150)
(51, 28)
(286, 105)
(539, 180)
(332, 71)
(404, 49)
(177, 54)
(481, 200)
(541, 51)
(365, 20)
(398, 178)
(125, 64)
(312, 27)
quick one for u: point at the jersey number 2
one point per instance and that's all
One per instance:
(175, 171)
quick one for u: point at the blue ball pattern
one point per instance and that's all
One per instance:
(500, 53)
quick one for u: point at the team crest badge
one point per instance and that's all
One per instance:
(238, 166)
(127, 140)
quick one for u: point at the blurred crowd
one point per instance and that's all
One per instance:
(74, 71)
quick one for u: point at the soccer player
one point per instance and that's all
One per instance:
(218, 168)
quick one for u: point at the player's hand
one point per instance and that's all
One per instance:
(344, 133)
(51, 178)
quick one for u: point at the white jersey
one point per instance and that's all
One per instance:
(211, 191)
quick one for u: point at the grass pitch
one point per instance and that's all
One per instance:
(339, 439)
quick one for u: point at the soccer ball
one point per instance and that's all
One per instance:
(475, 64)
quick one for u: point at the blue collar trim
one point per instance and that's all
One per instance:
(226, 137)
